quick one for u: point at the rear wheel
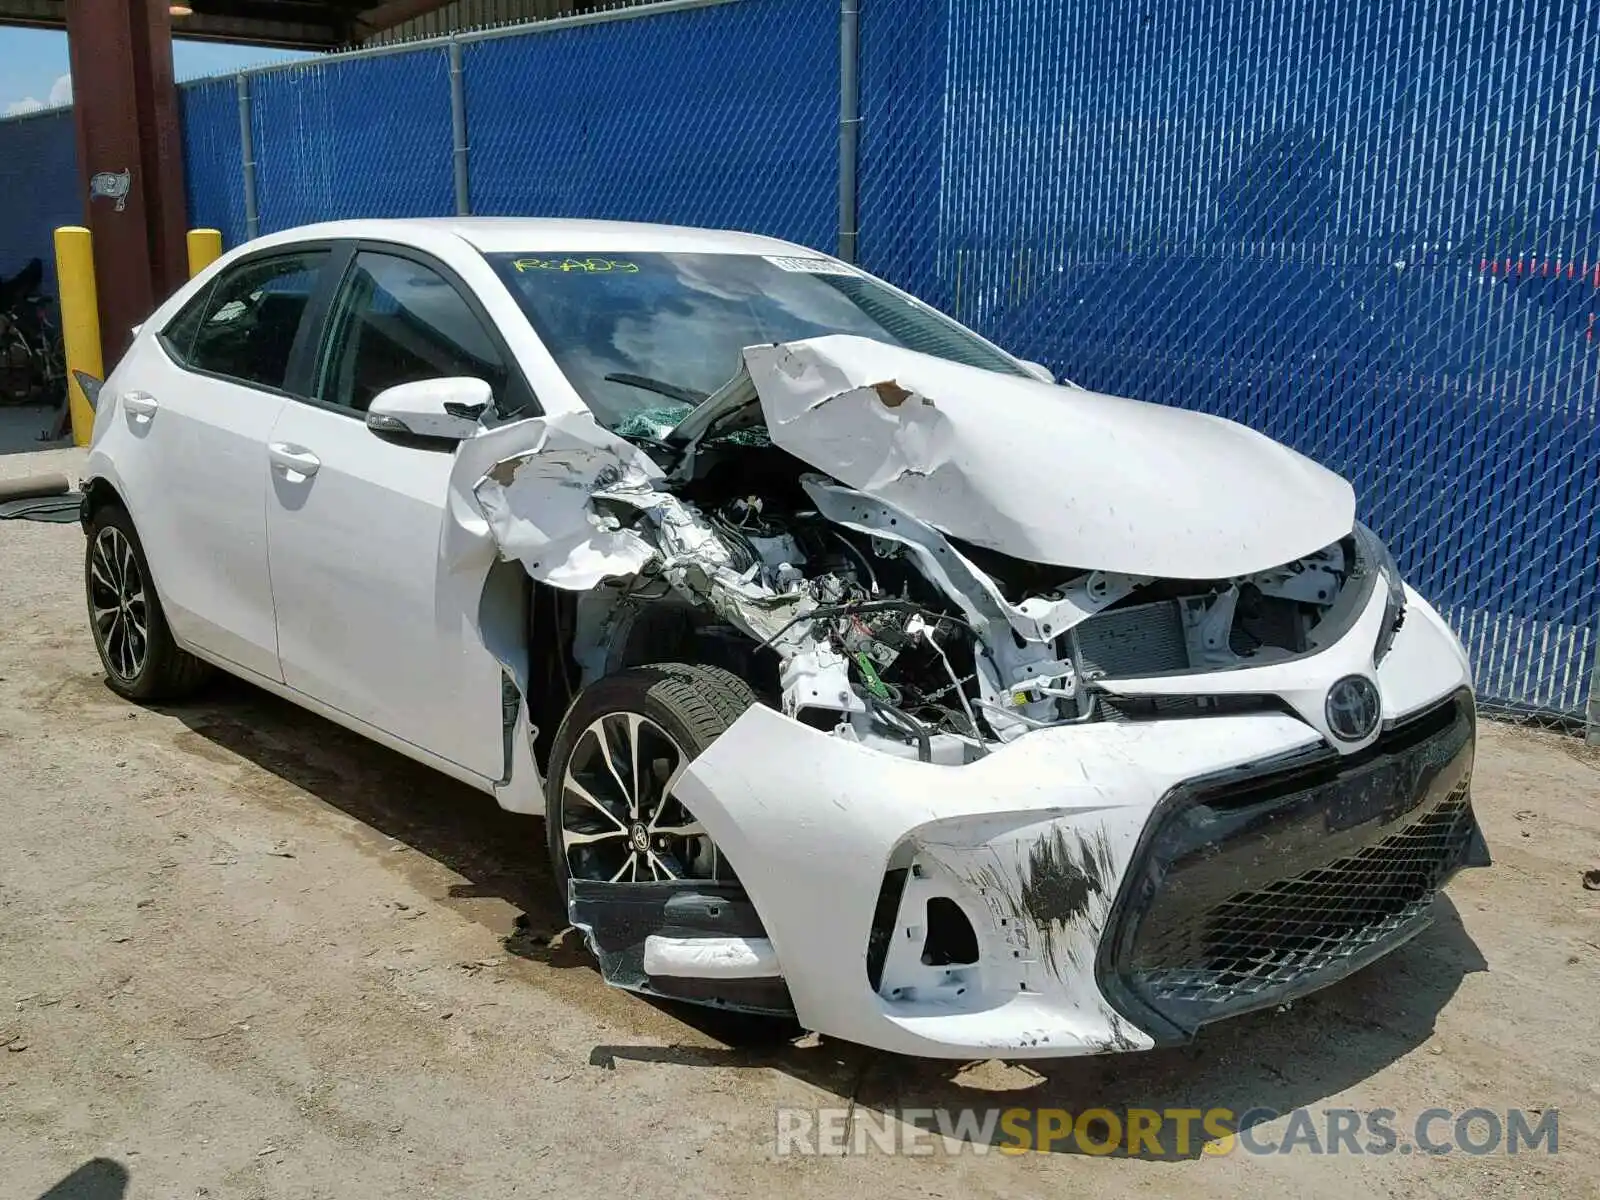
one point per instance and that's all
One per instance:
(141, 660)
(612, 815)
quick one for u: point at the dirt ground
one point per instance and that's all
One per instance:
(244, 953)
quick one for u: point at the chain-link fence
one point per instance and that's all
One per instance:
(1368, 229)
(213, 173)
(354, 137)
(720, 114)
(709, 112)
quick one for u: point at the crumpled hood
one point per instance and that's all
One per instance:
(1050, 474)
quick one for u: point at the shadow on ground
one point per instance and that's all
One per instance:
(97, 1179)
(1269, 1062)
(500, 854)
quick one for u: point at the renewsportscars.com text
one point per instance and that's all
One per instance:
(1165, 1133)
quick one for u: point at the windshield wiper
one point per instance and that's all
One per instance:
(661, 387)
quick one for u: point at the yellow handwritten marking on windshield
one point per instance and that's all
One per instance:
(584, 266)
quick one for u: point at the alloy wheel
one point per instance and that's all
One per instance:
(620, 822)
(119, 604)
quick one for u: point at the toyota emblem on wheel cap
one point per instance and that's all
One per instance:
(1353, 708)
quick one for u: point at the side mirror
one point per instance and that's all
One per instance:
(441, 410)
(91, 388)
(1039, 371)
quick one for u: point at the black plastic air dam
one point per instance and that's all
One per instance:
(620, 917)
(1255, 886)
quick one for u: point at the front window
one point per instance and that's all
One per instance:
(645, 337)
(398, 321)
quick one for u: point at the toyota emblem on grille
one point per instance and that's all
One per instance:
(1353, 708)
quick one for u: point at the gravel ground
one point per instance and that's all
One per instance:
(244, 953)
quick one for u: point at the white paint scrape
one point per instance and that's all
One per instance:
(710, 958)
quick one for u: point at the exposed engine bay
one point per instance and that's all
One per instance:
(856, 620)
(852, 615)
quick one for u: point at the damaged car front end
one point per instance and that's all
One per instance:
(1000, 718)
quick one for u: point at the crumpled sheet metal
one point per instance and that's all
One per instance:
(540, 507)
(1048, 474)
(553, 504)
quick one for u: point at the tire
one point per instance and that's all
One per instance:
(692, 706)
(121, 598)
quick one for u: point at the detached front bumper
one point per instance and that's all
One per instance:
(1096, 887)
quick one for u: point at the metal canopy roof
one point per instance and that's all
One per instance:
(298, 24)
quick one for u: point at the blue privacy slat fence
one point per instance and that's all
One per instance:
(38, 188)
(723, 115)
(213, 180)
(712, 114)
(361, 137)
(1368, 229)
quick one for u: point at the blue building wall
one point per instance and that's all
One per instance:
(39, 188)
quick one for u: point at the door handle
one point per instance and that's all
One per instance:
(140, 404)
(286, 458)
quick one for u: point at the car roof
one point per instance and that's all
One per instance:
(532, 235)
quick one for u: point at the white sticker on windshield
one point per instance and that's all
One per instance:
(809, 266)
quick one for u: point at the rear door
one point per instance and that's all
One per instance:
(202, 398)
(367, 621)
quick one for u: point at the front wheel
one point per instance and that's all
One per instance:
(631, 860)
(141, 659)
(611, 813)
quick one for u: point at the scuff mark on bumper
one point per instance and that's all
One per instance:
(1066, 871)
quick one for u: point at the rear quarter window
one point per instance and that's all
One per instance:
(243, 327)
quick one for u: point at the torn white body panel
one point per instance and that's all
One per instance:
(540, 503)
(1041, 472)
(554, 507)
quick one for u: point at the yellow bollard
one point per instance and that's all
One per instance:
(80, 322)
(205, 247)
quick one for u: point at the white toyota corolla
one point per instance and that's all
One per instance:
(863, 672)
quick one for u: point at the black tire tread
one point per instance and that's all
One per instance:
(709, 699)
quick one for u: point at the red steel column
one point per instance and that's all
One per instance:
(130, 156)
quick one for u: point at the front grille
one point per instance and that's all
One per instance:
(1254, 887)
(1272, 937)
(1148, 708)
